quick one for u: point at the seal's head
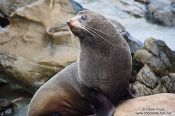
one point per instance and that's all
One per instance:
(91, 26)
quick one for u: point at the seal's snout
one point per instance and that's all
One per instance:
(72, 23)
(69, 24)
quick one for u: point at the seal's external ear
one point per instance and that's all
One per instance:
(101, 105)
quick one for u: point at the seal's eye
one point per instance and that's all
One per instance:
(83, 17)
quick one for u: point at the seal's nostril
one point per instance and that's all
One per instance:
(68, 23)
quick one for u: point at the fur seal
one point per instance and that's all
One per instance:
(100, 77)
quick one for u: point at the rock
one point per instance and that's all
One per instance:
(21, 111)
(130, 7)
(29, 53)
(3, 8)
(169, 82)
(157, 105)
(4, 21)
(136, 67)
(141, 89)
(18, 110)
(16, 94)
(147, 83)
(7, 7)
(147, 76)
(161, 12)
(157, 55)
(3, 81)
(159, 48)
(143, 1)
(160, 89)
(27, 73)
(77, 7)
(154, 62)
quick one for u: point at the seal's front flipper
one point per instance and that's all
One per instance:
(101, 105)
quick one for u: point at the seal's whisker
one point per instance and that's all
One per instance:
(99, 31)
(99, 35)
(91, 33)
(88, 32)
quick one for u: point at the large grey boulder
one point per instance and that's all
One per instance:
(161, 12)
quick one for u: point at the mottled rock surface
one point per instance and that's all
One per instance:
(169, 82)
(144, 77)
(155, 70)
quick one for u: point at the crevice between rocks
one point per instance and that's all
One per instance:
(4, 22)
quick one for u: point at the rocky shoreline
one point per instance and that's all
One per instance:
(37, 44)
